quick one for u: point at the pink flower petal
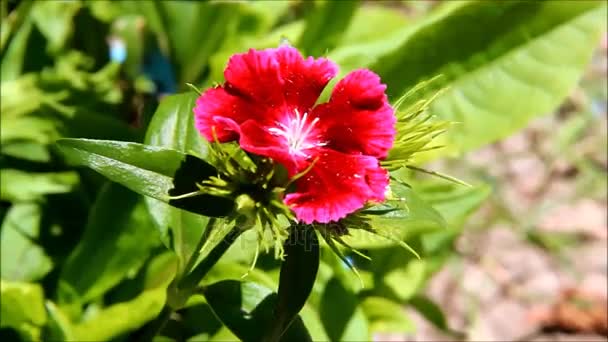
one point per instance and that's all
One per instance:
(267, 85)
(337, 185)
(358, 117)
(255, 76)
(304, 79)
(219, 110)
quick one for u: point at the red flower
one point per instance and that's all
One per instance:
(268, 105)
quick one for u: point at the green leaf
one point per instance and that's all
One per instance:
(148, 170)
(58, 327)
(22, 309)
(118, 319)
(30, 151)
(341, 313)
(297, 277)
(513, 61)
(456, 203)
(247, 310)
(182, 24)
(401, 217)
(13, 56)
(325, 25)
(117, 241)
(432, 313)
(234, 271)
(407, 279)
(18, 185)
(172, 126)
(22, 258)
(372, 22)
(386, 316)
(373, 32)
(54, 19)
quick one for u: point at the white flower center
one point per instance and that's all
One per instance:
(297, 133)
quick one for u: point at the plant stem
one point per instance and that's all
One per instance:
(191, 280)
(197, 250)
(187, 285)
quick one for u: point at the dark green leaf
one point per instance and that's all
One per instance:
(247, 309)
(117, 241)
(297, 277)
(325, 25)
(341, 314)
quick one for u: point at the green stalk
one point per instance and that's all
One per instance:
(179, 292)
(190, 281)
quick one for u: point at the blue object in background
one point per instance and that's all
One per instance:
(157, 67)
(118, 50)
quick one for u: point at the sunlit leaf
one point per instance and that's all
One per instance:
(22, 258)
(22, 309)
(514, 61)
(151, 171)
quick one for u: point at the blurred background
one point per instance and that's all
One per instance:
(529, 264)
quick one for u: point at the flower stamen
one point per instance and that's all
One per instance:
(297, 133)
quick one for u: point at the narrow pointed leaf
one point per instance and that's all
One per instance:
(147, 170)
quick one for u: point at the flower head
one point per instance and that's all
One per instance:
(330, 150)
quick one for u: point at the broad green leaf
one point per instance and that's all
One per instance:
(341, 314)
(372, 22)
(247, 310)
(119, 319)
(148, 170)
(17, 185)
(118, 239)
(22, 309)
(398, 219)
(297, 277)
(172, 126)
(386, 316)
(234, 271)
(373, 32)
(22, 259)
(325, 25)
(502, 63)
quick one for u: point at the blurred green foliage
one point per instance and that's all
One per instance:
(86, 259)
